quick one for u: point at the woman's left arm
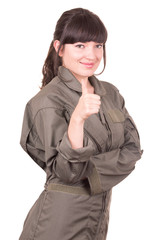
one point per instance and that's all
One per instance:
(113, 166)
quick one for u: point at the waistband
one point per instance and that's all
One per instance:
(68, 189)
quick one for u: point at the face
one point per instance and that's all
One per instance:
(82, 59)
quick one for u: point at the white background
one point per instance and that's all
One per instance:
(132, 65)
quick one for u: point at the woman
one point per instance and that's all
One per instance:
(78, 130)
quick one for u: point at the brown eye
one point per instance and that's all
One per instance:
(99, 45)
(80, 46)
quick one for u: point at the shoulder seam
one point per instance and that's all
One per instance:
(61, 109)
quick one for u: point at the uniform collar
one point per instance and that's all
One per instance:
(70, 80)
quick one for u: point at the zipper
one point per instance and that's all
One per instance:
(105, 122)
(109, 134)
(100, 223)
(104, 201)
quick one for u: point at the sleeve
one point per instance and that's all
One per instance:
(115, 165)
(48, 144)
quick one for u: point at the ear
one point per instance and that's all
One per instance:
(56, 45)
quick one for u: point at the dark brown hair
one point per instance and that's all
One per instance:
(75, 25)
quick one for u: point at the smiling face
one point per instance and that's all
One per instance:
(82, 59)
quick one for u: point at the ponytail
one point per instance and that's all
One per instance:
(51, 64)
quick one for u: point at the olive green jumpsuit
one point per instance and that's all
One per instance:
(74, 204)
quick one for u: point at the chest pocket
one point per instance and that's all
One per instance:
(116, 115)
(116, 123)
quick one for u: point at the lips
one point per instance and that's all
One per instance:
(88, 65)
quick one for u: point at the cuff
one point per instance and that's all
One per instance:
(75, 155)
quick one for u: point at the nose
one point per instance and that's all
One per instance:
(90, 53)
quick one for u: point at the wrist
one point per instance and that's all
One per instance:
(77, 119)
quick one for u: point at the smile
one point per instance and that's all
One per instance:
(88, 65)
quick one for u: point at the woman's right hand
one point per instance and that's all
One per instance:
(88, 104)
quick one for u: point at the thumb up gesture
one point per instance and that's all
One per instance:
(88, 104)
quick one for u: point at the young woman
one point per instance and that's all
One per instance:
(79, 132)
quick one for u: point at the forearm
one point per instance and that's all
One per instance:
(117, 164)
(76, 132)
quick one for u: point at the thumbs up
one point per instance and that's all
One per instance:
(89, 103)
(84, 87)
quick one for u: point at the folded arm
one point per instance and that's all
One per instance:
(114, 166)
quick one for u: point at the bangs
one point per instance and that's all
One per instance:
(85, 28)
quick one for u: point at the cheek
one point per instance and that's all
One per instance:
(76, 56)
(71, 57)
(100, 55)
(66, 59)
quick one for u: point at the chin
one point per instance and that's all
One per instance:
(90, 72)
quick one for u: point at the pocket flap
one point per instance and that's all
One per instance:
(116, 115)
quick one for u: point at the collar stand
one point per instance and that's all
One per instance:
(70, 80)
